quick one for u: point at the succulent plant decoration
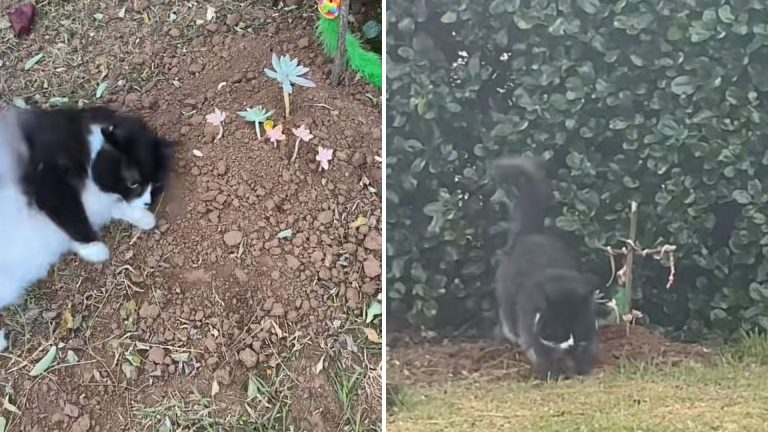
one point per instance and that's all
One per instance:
(256, 115)
(287, 71)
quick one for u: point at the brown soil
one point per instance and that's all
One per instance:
(212, 281)
(430, 363)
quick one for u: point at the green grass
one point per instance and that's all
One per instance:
(729, 395)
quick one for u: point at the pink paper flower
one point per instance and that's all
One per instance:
(302, 134)
(216, 118)
(324, 156)
(276, 134)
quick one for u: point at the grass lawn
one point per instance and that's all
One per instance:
(731, 394)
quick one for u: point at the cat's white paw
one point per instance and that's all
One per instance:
(143, 219)
(139, 217)
(3, 341)
(94, 252)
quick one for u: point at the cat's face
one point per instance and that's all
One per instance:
(133, 162)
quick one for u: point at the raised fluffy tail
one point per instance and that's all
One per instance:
(535, 191)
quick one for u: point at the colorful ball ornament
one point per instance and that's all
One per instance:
(329, 8)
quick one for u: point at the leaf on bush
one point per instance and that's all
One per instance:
(683, 85)
(741, 196)
(589, 6)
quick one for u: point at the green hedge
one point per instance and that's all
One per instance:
(664, 101)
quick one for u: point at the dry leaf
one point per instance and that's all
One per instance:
(372, 335)
(360, 221)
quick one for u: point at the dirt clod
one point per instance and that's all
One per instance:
(71, 411)
(233, 19)
(156, 355)
(325, 217)
(149, 310)
(372, 267)
(248, 357)
(82, 424)
(233, 238)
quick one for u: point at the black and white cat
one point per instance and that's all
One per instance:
(64, 174)
(545, 304)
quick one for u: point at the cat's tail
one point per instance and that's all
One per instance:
(535, 190)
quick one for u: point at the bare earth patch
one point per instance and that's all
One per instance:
(210, 321)
(433, 363)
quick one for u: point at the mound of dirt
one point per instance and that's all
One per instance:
(419, 362)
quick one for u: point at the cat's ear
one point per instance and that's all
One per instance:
(164, 153)
(109, 133)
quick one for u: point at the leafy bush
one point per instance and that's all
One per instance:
(663, 101)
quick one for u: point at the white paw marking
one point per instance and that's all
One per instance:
(137, 216)
(94, 252)
(3, 341)
(143, 219)
(507, 331)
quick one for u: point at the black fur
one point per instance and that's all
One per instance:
(538, 275)
(59, 159)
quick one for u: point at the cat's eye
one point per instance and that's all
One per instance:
(133, 185)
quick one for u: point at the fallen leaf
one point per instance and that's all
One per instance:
(214, 388)
(197, 153)
(101, 89)
(7, 405)
(253, 387)
(372, 335)
(319, 366)
(360, 221)
(67, 322)
(71, 357)
(33, 61)
(286, 234)
(210, 13)
(121, 14)
(221, 85)
(20, 103)
(268, 125)
(374, 311)
(129, 309)
(22, 18)
(133, 358)
(130, 371)
(45, 363)
(58, 101)
(180, 357)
